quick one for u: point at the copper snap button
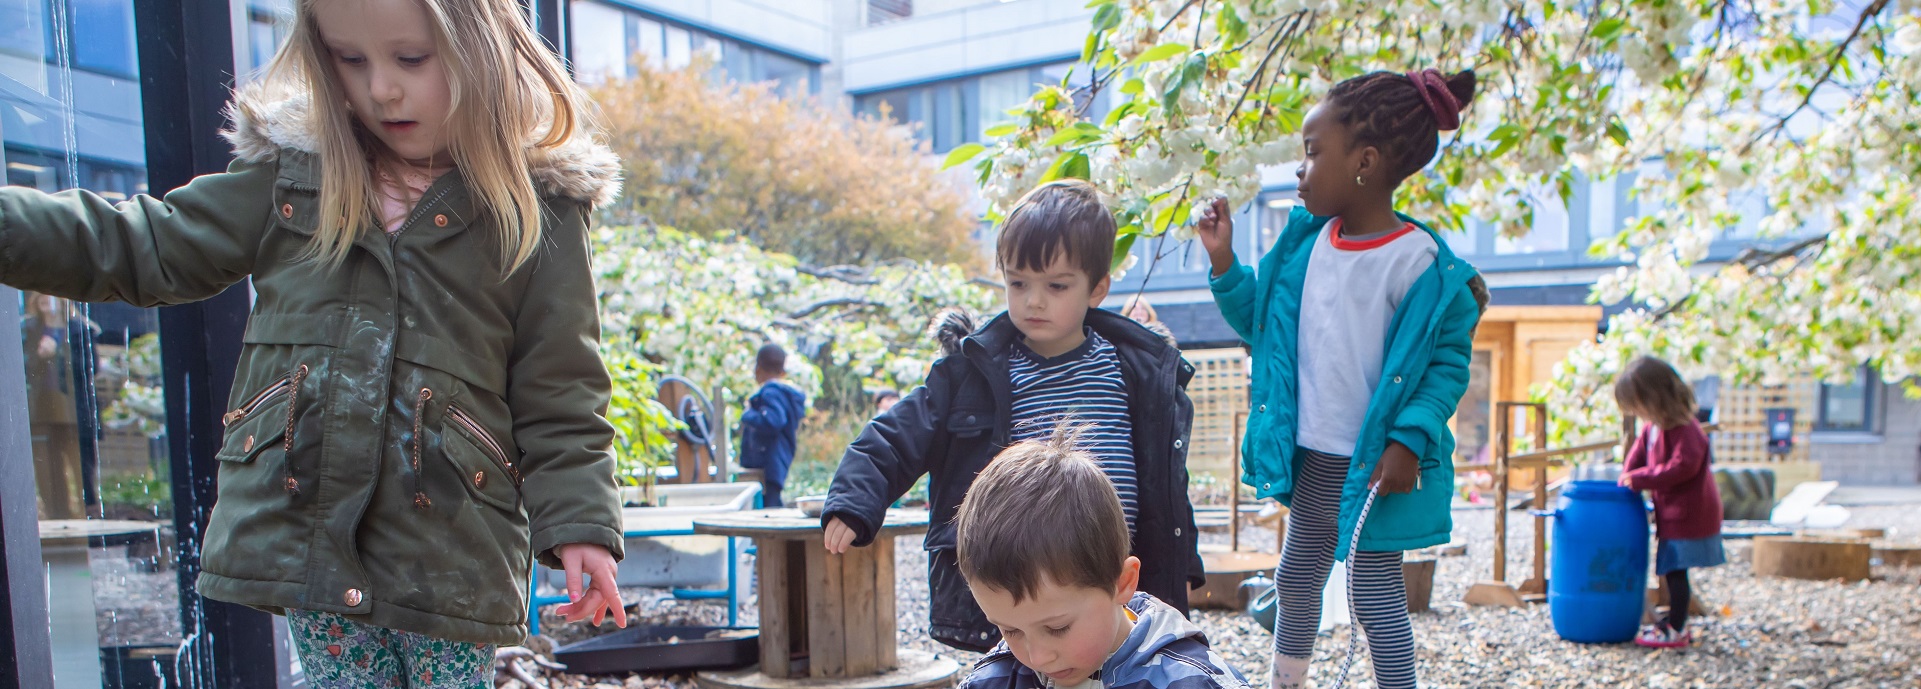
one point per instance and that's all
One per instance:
(286, 210)
(440, 220)
(480, 480)
(247, 446)
(353, 597)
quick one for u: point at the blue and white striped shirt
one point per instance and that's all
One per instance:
(1085, 386)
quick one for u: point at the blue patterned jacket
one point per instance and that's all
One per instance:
(1165, 651)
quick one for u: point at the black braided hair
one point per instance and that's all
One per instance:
(1385, 110)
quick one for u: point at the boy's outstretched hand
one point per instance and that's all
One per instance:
(1398, 471)
(604, 594)
(1216, 231)
(839, 536)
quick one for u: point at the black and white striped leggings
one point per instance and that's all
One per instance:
(1380, 596)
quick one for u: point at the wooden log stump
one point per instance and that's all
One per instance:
(1418, 572)
(1899, 556)
(1225, 572)
(1798, 557)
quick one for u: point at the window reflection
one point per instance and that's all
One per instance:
(70, 116)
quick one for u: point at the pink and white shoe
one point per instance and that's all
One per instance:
(1663, 636)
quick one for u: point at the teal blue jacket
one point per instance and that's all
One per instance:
(1423, 375)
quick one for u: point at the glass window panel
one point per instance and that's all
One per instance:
(599, 40)
(95, 411)
(998, 94)
(680, 48)
(1274, 208)
(1846, 407)
(1549, 234)
(103, 36)
(651, 43)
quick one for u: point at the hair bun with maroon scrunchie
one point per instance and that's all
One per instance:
(1444, 96)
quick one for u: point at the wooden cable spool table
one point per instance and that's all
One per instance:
(826, 620)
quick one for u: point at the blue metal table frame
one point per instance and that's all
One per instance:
(535, 601)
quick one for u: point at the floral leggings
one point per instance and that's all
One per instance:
(339, 653)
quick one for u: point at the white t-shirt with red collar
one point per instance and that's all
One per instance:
(1353, 286)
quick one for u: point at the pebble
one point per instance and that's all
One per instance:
(1762, 632)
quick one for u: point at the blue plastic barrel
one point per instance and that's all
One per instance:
(1597, 582)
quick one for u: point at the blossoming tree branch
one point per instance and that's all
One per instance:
(1809, 106)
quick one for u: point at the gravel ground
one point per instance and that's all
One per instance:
(1761, 632)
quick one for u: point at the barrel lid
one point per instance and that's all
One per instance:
(1599, 490)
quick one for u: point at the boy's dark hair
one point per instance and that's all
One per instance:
(1042, 511)
(1389, 111)
(1060, 216)
(1652, 387)
(886, 394)
(771, 358)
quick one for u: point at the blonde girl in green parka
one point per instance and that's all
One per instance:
(1361, 323)
(417, 412)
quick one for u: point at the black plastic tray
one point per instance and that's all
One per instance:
(653, 649)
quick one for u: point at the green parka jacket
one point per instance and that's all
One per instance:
(407, 430)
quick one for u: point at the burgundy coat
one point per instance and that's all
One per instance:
(1672, 466)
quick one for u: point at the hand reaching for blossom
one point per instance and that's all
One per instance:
(1216, 231)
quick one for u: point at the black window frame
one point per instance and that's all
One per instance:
(1870, 403)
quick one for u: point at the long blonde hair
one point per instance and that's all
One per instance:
(509, 96)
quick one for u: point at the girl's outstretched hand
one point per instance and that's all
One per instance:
(1216, 231)
(602, 595)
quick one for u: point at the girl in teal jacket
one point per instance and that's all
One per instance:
(1362, 325)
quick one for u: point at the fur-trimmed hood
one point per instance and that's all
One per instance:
(264, 125)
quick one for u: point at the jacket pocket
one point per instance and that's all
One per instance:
(258, 423)
(480, 461)
(969, 423)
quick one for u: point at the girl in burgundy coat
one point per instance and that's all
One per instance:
(1669, 460)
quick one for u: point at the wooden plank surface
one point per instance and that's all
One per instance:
(885, 641)
(826, 619)
(858, 591)
(775, 642)
(1805, 558)
(791, 524)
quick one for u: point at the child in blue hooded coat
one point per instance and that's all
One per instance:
(1361, 324)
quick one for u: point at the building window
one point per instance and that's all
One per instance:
(49, 173)
(1849, 407)
(99, 36)
(958, 111)
(267, 28)
(884, 11)
(610, 42)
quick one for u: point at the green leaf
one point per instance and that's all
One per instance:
(1077, 167)
(1123, 245)
(1232, 28)
(1093, 46)
(1106, 18)
(1001, 130)
(1617, 132)
(1133, 86)
(1607, 29)
(1054, 171)
(962, 154)
(1162, 218)
(1160, 52)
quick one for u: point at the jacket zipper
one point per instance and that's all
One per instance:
(419, 212)
(487, 443)
(261, 399)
